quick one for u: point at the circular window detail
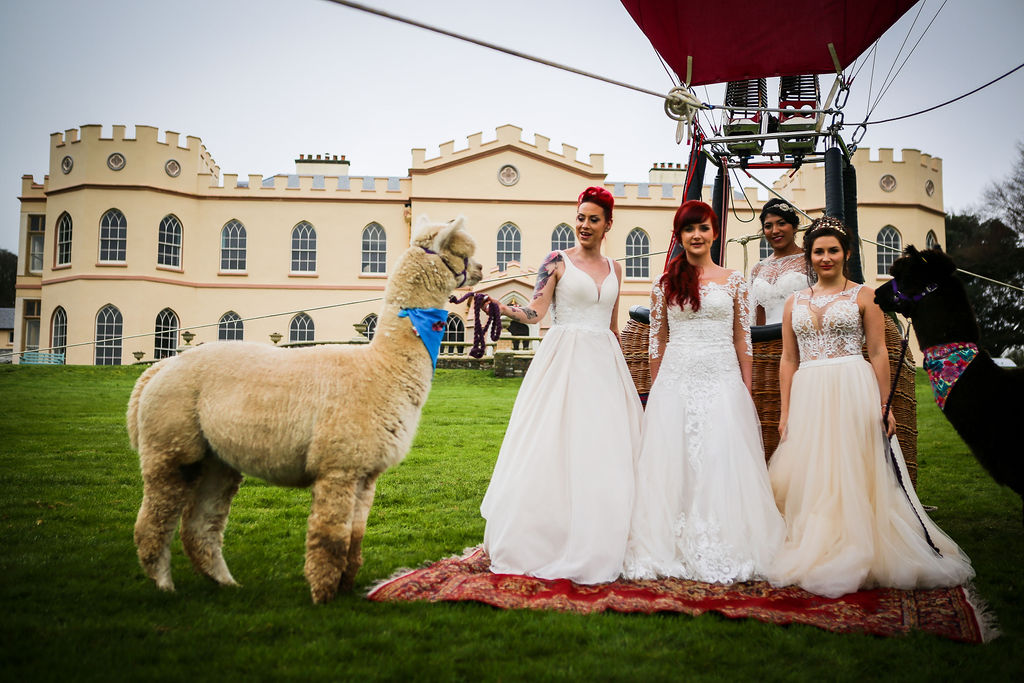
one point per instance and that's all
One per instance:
(66, 164)
(929, 187)
(172, 168)
(887, 182)
(116, 161)
(508, 175)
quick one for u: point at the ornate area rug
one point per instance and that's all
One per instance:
(946, 612)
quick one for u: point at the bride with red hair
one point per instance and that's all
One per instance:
(560, 497)
(703, 507)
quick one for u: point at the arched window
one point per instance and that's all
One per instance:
(509, 245)
(764, 251)
(59, 330)
(889, 247)
(454, 331)
(371, 326)
(232, 246)
(303, 248)
(113, 238)
(638, 248)
(168, 245)
(562, 237)
(108, 336)
(931, 240)
(166, 340)
(375, 249)
(63, 250)
(301, 328)
(230, 327)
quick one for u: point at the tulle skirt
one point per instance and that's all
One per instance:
(849, 523)
(704, 508)
(560, 497)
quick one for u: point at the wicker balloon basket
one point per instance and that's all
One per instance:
(765, 381)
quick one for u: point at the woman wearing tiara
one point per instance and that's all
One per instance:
(704, 508)
(785, 271)
(853, 519)
(560, 497)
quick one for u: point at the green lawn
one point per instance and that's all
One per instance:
(75, 604)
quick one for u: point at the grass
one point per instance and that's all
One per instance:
(75, 605)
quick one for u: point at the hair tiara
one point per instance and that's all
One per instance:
(827, 222)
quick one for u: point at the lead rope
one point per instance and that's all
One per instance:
(888, 442)
(480, 329)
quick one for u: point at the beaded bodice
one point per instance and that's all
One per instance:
(773, 280)
(828, 326)
(724, 313)
(580, 302)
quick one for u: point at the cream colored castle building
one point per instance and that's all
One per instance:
(130, 242)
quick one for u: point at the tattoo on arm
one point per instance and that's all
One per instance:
(528, 312)
(546, 270)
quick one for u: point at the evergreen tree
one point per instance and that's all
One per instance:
(993, 249)
(8, 276)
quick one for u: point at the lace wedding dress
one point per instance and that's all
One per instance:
(850, 525)
(560, 497)
(772, 281)
(704, 508)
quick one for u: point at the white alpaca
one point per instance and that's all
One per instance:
(329, 417)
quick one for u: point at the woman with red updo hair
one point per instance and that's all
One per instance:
(560, 497)
(704, 508)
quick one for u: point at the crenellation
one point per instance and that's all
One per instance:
(171, 138)
(475, 140)
(146, 134)
(569, 152)
(509, 134)
(90, 132)
(118, 132)
(541, 142)
(597, 163)
(447, 148)
(255, 180)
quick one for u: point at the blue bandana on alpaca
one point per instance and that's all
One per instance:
(428, 324)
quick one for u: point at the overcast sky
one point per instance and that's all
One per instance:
(261, 81)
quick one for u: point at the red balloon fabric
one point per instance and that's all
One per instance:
(740, 39)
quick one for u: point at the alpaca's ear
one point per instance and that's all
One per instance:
(448, 232)
(421, 232)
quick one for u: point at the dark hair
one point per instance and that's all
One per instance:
(782, 209)
(681, 280)
(599, 196)
(827, 226)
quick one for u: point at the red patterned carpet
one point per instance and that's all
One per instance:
(943, 612)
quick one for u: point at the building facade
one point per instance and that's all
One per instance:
(129, 243)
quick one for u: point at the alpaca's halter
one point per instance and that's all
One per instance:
(458, 274)
(905, 301)
(480, 329)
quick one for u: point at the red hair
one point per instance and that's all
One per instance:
(681, 281)
(599, 196)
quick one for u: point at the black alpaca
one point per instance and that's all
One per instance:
(985, 403)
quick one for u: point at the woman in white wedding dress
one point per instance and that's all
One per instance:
(852, 522)
(560, 497)
(785, 271)
(704, 508)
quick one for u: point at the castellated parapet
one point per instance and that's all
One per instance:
(914, 180)
(83, 157)
(506, 136)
